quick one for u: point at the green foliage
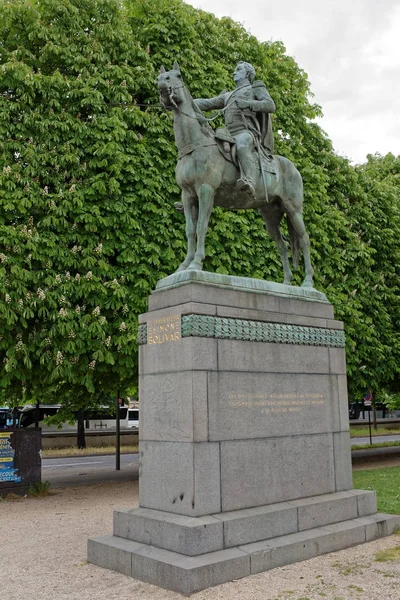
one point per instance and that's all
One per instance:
(39, 489)
(71, 214)
(87, 186)
(391, 399)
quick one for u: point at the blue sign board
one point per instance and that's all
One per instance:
(7, 470)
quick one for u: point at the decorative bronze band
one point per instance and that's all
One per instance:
(254, 331)
(142, 335)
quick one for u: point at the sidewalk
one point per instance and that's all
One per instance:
(44, 558)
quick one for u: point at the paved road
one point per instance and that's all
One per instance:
(81, 470)
(61, 472)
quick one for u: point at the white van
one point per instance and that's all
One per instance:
(133, 418)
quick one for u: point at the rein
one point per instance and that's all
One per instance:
(208, 119)
(189, 148)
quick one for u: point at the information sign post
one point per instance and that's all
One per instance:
(368, 402)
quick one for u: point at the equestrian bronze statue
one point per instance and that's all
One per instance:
(233, 167)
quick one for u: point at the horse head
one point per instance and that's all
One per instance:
(170, 86)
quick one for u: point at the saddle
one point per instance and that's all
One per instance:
(227, 147)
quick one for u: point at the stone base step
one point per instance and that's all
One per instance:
(200, 535)
(189, 574)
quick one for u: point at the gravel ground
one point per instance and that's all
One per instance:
(43, 556)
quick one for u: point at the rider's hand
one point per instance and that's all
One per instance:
(243, 104)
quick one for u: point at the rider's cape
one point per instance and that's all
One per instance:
(264, 119)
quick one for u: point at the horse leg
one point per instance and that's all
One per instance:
(206, 201)
(272, 219)
(190, 209)
(304, 241)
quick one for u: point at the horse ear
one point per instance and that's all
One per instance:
(162, 69)
(176, 67)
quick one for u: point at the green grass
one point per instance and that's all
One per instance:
(388, 555)
(39, 489)
(386, 482)
(364, 432)
(374, 445)
(73, 451)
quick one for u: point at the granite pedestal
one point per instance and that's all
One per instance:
(245, 460)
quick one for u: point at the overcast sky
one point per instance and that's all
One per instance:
(351, 52)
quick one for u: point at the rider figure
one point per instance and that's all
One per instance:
(247, 119)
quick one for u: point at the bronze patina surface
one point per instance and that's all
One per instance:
(234, 168)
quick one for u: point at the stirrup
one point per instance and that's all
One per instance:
(243, 185)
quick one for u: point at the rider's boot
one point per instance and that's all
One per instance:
(247, 182)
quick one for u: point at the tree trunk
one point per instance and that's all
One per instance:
(81, 441)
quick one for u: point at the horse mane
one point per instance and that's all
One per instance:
(206, 127)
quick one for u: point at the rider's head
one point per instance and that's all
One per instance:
(250, 70)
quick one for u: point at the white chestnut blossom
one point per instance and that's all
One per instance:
(27, 232)
(19, 346)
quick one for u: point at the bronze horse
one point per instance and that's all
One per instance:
(206, 177)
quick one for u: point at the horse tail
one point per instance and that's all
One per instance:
(294, 243)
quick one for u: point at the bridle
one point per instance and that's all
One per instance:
(170, 91)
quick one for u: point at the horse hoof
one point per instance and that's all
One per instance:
(307, 284)
(182, 267)
(194, 266)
